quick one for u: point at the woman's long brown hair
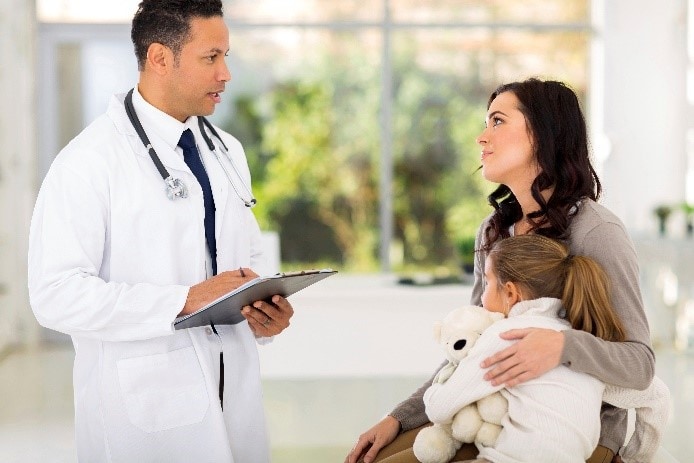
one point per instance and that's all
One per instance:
(560, 140)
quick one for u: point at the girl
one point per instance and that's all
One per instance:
(535, 282)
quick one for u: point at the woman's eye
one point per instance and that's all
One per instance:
(496, 121)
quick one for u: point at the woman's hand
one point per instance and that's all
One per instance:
(374, 439)
(537, 351)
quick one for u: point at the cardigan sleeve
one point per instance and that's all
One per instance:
(467, 384)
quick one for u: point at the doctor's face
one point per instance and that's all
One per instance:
(197, 80)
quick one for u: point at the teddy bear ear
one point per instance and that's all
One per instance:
(437, 331)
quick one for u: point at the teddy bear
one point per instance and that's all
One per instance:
(479, 422)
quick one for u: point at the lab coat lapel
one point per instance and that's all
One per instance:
(168, 156)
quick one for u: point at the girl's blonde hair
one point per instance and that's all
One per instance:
(543, 267)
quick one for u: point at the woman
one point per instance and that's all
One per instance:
(535, 146)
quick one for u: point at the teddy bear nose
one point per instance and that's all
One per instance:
(459, 344)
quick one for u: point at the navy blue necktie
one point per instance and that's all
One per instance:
(192, 158)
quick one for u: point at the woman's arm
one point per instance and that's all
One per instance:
(599, 235)
(410, 412)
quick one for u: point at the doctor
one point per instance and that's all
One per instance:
(113, 260)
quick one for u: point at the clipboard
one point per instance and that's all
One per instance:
(227, 309)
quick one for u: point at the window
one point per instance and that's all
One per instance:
(358, 118)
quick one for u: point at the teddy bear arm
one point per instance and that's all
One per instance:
(466, 424)
(493, 408)
(444, 373)
(488, 434)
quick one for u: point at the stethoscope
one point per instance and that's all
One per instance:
(175, 188)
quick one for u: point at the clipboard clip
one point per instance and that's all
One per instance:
(304, 272)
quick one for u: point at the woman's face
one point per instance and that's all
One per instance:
(507, 146)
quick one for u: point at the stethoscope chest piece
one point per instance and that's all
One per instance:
(175, 188)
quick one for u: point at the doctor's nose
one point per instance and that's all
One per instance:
(224, 75)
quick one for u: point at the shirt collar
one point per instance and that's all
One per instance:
(544, 306)
(158, 123)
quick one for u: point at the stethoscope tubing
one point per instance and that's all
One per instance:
(204, 123)
(174, 186)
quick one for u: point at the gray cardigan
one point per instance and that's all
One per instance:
(597, 233)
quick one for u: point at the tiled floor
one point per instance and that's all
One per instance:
(316, 406)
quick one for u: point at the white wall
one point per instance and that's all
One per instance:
(17, 164)
(639, 106)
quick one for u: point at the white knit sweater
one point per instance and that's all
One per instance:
(553, 418)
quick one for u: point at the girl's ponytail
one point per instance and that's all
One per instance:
(586, 299)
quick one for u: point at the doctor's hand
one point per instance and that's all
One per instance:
(213, 288)
(537, 351)
(268, 318)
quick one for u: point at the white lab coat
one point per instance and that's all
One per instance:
(111, 259)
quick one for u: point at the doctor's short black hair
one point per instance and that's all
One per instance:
(167, 22)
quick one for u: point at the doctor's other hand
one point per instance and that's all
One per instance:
(373, 440)
(213, 288)
(537, 351)
(268, 318)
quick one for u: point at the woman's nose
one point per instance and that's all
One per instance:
(482, 138)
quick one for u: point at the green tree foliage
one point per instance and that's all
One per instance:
(437, 119)
(315, 156)
(334, 179)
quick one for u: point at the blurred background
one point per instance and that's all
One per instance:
(358, 119)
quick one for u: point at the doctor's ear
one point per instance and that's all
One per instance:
(159, 58)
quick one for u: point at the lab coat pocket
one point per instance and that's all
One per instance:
(163, 391)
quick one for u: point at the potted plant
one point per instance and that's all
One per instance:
(688, 210)
(663, 213)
